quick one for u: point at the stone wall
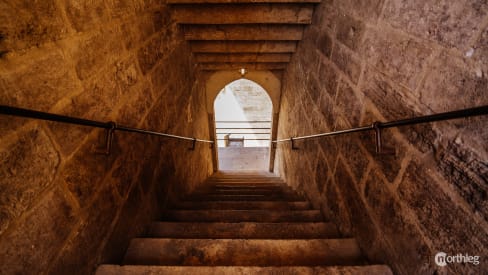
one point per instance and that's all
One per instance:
(365, 61)
(63, 207)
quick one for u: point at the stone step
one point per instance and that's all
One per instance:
(245, 183)
(240, 192)
(244, 187)
(223, 197)
(243, 216)
(242, 205)
(241, 270)
(244, 230)
(196, 252)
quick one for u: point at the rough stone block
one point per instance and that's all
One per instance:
(97, 51)
(390, 99)
(349, 104)
(132, 113)
(324, 16)
(313, 89)
(28, 165)
(350, 31)
(129, 225)
(450, 23)
(448, 226)
(480, 53)
(349, 146)
(453, 78)
(369, 10)
(468, 174)
(37, 80)
(39, 237)
(96, 102)
(85, 15)
(349, 217)
(77, 255)
(321, 174)
(409, 245)
(394, 151)
(347, 62)
(400, 57)
(324, 43)
(121, 8)
(329, 78)
(29, 24)
(150, 54)
(84, 172)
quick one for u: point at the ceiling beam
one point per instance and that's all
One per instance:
(238, 66)
(238, 1)
(220, 46)
(243, 14)
(243, 57)
(243, 32)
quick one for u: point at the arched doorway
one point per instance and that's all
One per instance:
(243, 119)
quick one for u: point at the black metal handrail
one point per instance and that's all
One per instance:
(111, 126)
(377, 126)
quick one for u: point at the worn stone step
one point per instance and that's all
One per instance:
(195, 252)
(242, 270)
(244, 230)
(244, 187)
(243, 216)
(243, 191)
(242, 205)
(223, 197)
(240, 192)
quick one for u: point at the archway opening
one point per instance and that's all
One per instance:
(243, 116)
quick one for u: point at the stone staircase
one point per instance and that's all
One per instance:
(243, 224)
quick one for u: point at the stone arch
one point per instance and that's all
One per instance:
(266, 79)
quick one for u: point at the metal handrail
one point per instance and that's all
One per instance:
(377, 126)
(111, 126)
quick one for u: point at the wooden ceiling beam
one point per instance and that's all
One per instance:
(243, 57)
(238, 1)
(243, 32)
(220, 46)
(243, 14)
(238, 66)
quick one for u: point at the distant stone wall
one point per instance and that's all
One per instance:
(365, 61)
(243, 158)
(64, 208)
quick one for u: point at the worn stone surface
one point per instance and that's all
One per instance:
(395, 226)
(83, 15)
(30, 24)
(347, 62)
(392, 60)
(44, 229)
(446, 224)
(324, 44)
(350, 31)
(390, 98)
(452, 24)
(96, 51)
(90, 233)
(453, 77)
(83, 60)
(369, 10)
(221, 270)
(348, 100)
(400, 57)
(53, 79)
(28, 166)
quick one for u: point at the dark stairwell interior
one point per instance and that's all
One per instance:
(65, 209)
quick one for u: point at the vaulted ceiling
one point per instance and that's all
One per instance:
(235, 34)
